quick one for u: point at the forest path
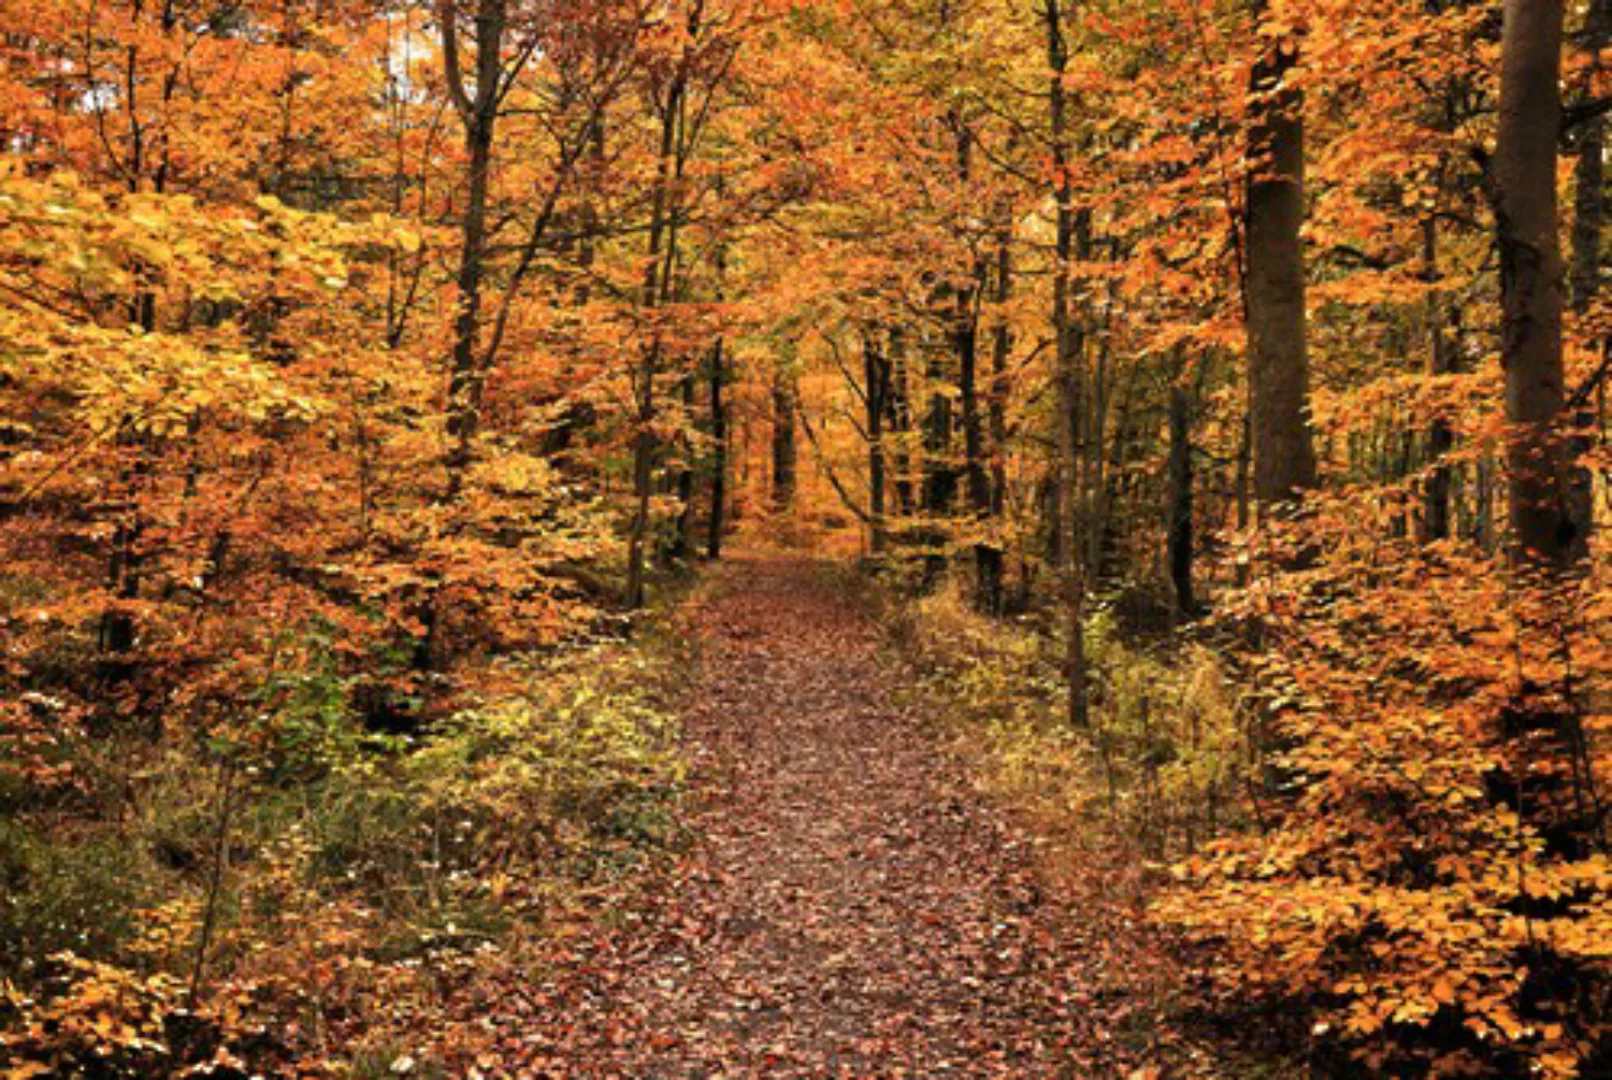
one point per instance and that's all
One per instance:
(847, 910)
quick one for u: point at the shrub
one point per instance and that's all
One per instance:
(1431, 877)
(1166, 752)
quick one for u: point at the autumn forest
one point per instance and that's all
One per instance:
(805, 538)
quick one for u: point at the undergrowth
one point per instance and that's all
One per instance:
(1166, 754)
(301, 902)
(1160, 771)
(1364, 799)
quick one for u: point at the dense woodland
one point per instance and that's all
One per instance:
(1214, 393)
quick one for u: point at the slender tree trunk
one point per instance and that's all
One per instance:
(1483, 527)
(117, 631)
(877, 376)
(479, 113)
(1180, 532)
(683, 543)
(1442, 357)
(900, 417)
(785, 453)
(1532, 278)
(1278, 363)
(1589, 210)
(1069, 223)
(1589, 189)
(647, 445)
(987, 559)
(979, 483)
(940, 474)
(719, 451)
(719, 424)
(991, 555)
(939, 469)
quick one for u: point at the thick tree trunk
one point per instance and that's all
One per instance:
(1278, 363)
(1532, 278)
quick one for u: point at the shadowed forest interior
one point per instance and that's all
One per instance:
(805, 538)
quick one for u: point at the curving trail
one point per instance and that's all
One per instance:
(846, 912)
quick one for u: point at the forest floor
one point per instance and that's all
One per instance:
(847, 907)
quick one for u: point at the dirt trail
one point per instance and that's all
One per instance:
(846, 912)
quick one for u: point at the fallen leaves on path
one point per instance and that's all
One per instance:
(849, 908)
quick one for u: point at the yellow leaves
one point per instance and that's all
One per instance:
(405, 238)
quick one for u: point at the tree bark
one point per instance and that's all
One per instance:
(478, 111)
(1278, 362)
(1180, 532)
(683, 543)
(719, 451)
(940, 474)
(991, 556)
(1069, 223)
(877, 376)
(900, 417)
(1589, 210)
(1442, 356)
(1532, 279)
(662, 244)
(987, 559)
(785, 453)
(1589, 189)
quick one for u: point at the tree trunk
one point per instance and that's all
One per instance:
(939, 470)
(479, 114)
(1442, 356)
(683, 542)
(900, 417)
(1278, 363)
(656, 275)
(987, 559)
(1069, 223)
(719, 451)
(940, 475)
(1531, 275)
(991, 556)
(785, 454)
(1589, 208)
(1589, 191)
(1180, 536)
(877, 374)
